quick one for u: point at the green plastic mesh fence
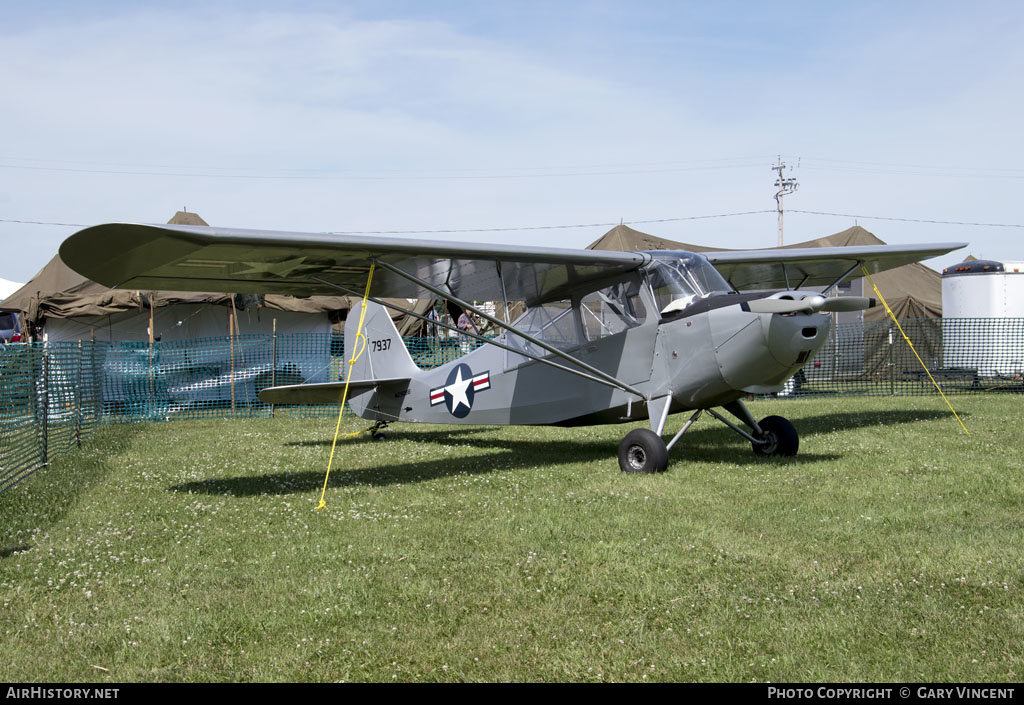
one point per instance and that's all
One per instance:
(52, 395)
(206, 377)
(223, 377)
(49, 401)
(962, 354)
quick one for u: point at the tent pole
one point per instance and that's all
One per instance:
(78, 398)
(232, 324)
(273, 362)
(151, 338)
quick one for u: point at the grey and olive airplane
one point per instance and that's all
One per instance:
(607, 337)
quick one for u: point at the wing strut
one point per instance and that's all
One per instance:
(539, 343)
(847, 273)
(482, 339)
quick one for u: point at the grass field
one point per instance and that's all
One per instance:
(890, 549)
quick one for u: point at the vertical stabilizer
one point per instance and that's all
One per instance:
(384, 355)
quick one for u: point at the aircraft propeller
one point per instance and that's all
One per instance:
(811, 304)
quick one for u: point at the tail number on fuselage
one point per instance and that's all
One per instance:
(380, 345)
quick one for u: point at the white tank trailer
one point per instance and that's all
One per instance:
(980, 299)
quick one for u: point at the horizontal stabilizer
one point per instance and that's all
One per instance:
(323, 392)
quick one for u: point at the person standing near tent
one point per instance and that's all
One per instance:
(433, 318)
(433, 329)
(466, 325)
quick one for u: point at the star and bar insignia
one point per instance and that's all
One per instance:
(460, 390)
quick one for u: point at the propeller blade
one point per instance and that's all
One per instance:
(847, 303)
(811, 303)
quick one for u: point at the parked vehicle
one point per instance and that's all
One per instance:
(10, 329)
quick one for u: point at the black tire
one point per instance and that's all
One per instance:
(643, 451)
(378, 436)
(781, 437)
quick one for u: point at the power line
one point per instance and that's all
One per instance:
(735, 161)
(901, 165)
(604, 225)
(465, 230)
(912, 220)
(528, 172)
(543, 227)
(911, 169)
(42, 222)
(398, 176)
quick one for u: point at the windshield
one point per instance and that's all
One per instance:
(679, 278)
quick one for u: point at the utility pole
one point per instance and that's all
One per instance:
(786, 187)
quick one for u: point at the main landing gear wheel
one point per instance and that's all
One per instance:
(643, 451)
(780, 437)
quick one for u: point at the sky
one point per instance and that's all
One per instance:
(537, 123)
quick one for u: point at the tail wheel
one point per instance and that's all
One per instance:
(642, 451)
(780, 437)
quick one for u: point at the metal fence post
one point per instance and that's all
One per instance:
(231, 331)
(78, 399)
(45, 381)
(97, 381)
(273, 360)
(892, 367)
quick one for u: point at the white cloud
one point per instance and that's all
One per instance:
(403, 102)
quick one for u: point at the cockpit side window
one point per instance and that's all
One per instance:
(612, 310)
(553, 322)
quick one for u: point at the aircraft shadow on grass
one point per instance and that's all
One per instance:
(841, 421)
(708, 444)
(440, 436)
(11, 549)
(515, 455)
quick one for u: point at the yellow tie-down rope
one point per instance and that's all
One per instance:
(356, 353)
(898, 326)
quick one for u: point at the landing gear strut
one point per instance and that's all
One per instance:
(774, 435)
(644, 451)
